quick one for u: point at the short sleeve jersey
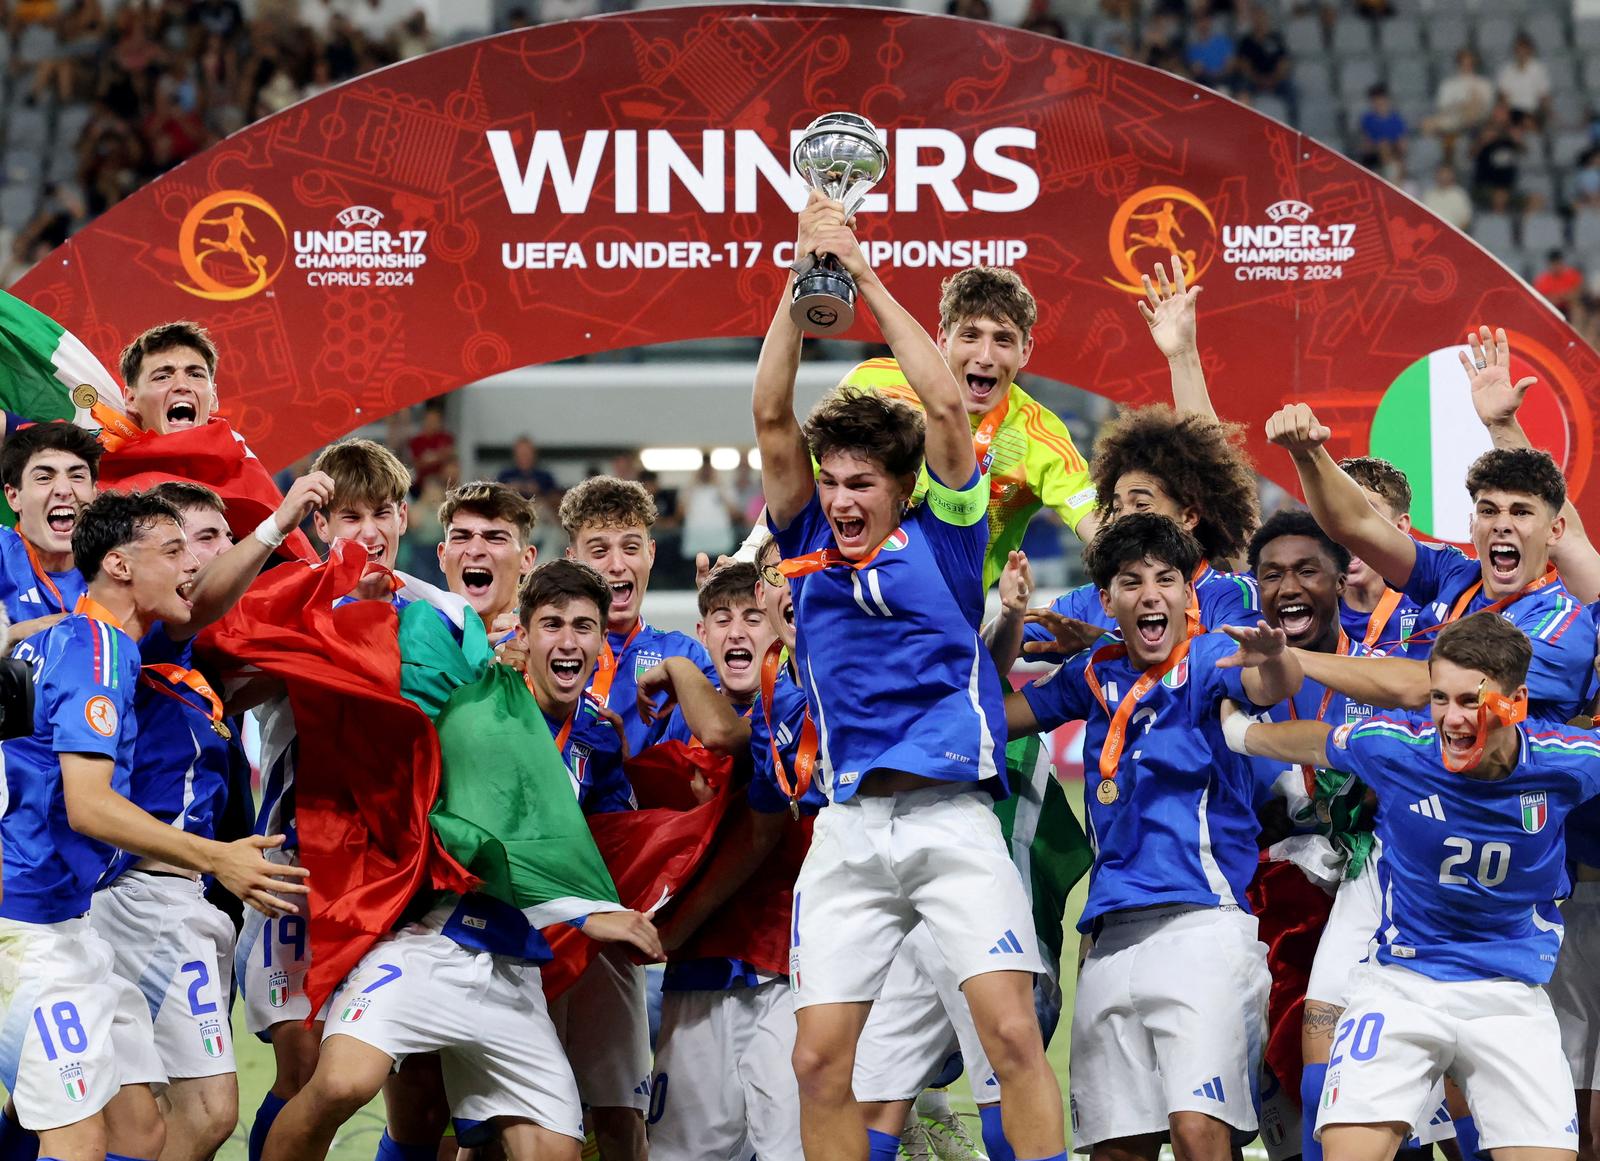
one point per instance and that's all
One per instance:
(86, 672)
(1471, 868)
(1183, 827)
(27, 592)
(788, 713)
(1392, 635)
(1561, 630)
(888, 649)
(648, 648)
(1224, 598)
(593, 754)
(181, 764)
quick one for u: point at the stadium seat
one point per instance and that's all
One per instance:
(1494, 34)
(71, 120)
(1424, 152)
(1591, 71)
(1408, 79)
(1303, 35)
(1548, 28)
(1586, 231)
(1356, 75)
(1400, 36)
(17, 203)
(1446, 37)
(1493, 232)
(1320, 120)
(1543, 232)
(1569, 108)
(1269, 106)
(1567, 145)
(23, 166)
(1352, 36)
(1586, 34)
(1314, 79)
(27, 127)
(37, 43)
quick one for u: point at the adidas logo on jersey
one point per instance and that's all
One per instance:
(1429, 807)
(1008, 945)
(1211, 1090)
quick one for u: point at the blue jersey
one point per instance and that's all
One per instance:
(28, 592)
(593, 756)
(1471, 868)
(181, 765)
(1561, 630)
(1183, 828)
(86, 672)
(788, 713)
(1392, 634)
(895, 671)
(1224, 598)
(647, 648)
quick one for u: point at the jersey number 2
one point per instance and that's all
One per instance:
(1494, 863)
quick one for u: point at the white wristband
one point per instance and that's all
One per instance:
(1234, 728)
(267, 532)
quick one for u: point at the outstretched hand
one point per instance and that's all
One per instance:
(1071, 635)
(1169, 309)
(1016, 583)
(630, 927)
(1494, 396)
(1257, 646)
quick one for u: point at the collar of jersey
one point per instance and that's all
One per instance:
(90, 607)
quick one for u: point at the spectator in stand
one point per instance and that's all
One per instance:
(1524, 83)
(525, 474)
(1463, 103)
(708, 515)
(1161, 42)
(1559, 282)
(1263, 59)
(1585, 188)
(969, 9)
(1044, 24)
(413, 37)
(432, 448)
(1210, 53)
(1446, 198)
(1383, 134)
(1496, 158)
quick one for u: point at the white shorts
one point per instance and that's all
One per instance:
(1348, 937)
(72, 1031)
(880, 864)
(418, 991)
(724, 1085)
(1170, 1017)
(1575, 987)
(270, 963)
(178, 950)
(1402, 1031)
(604, 1026)
(918, 1020)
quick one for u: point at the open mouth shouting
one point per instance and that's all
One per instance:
(739, 659)
(1295, 619)
(980, 388)
(477, 581)
(186, 593)
(849, 530)
(181, 413)
(1152, 628)
(568, 674)
(1458, 745)
(62, 519)
(1505, 562)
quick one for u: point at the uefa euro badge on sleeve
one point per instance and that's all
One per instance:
(839, 154)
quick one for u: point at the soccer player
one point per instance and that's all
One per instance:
(49, 472)
(1168, 1023)
(986, 321)
(908, 712)
(1473, 796)
(153, 914)
(171, 373)
(84, 1048)
(608, 524)
(486, 551)
(1378, 616)
(463, 980)
(1517, 497)
(727, 1019)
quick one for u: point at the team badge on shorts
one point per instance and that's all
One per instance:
(72, 1080)
(278, 989)
(1330, 1091)
(355, 1009)
(211, 1038)
(1535, 812)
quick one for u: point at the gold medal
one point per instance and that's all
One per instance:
(1106, 792)
(221, 730)
(84, 396)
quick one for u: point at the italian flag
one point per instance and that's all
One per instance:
(48, 374)
(1425, 425)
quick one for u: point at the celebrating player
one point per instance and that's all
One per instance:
(1473, 796)
(1167, 1030)
(49, 472)
(908, 714)
(1378, 616)
(486, 551)
(171, 372)
(86, 1048)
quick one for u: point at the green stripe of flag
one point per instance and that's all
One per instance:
(1400, 434)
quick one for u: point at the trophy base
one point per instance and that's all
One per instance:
(824, 302)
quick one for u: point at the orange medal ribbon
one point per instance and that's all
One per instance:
(983, 441)
(1387, 604)
(1116, 735)
(566, 732)
(606, 671)
(1306, 772)
(1550, 577)
(826, 558)
(805, 758)
(44, 577)
(193, 679)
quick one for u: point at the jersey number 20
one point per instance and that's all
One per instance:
(1494, 863)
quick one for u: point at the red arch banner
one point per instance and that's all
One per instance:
(625, 180)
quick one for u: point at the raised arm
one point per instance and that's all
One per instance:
(1337, 501)
(1384, 682)
(1271, 671)
(787, 481)
(949, 451)
(1003, 635)
(1497, 400)
(709, 714)
(1169, 309)
(1302, 742)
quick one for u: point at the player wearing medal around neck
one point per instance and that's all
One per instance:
(1473, 798)
(1171, 1004)
(49, 472)
(464, 978)
(725, 1085)
(84, 1038)
(1379, 617)
(908, 712)
(153, 913)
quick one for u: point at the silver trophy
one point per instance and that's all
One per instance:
(839, 154)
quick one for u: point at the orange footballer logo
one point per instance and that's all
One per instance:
(1152, 225)
(232, 244)
(101, 715)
